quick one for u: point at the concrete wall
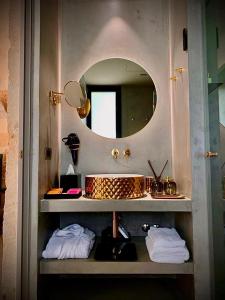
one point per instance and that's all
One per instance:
(11, 263)
(221, 32)
(96, 30)
(180, 98)
(48, 168)
(4, 47)
(221, 93)
(48, 115)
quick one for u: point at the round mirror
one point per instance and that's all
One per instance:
(73, 94)
(122, 95)
(76, 97)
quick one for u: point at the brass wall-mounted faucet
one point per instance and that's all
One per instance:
(126, 153)
(115, 153)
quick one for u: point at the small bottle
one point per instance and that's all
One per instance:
(169, 186)
(148, 184)
(157, 187)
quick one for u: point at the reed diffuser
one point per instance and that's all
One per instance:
(157, 184)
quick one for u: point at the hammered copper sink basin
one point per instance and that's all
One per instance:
(114, 186)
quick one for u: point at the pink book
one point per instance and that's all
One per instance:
(74, 191)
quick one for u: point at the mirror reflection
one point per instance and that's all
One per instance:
(73, 93)
(122, 95)
(76, 97)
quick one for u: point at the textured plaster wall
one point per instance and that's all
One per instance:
(180, 98)
(221, 93)
(12, 219)
(221, 32)
(137, 107)
(48, 169)
(4, 47)
(136, 30)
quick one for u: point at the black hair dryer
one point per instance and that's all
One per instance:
(73, 142)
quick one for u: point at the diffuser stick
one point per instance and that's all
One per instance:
(152, 169)
(163, 170)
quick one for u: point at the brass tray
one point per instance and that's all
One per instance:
(177, 196)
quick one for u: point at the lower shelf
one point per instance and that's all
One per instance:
(90, 266)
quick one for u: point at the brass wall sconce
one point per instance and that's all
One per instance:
(55, 97)
(75, 96)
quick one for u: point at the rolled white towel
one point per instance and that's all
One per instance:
(70, 231)
(176, 255)
(165, 237)
(70, 242)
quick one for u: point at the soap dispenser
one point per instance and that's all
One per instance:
(169, 186)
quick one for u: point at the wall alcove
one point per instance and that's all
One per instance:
(148, 33)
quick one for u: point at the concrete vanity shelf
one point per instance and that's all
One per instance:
(90, 266)
(90, 205)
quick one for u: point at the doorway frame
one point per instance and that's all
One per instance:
(30, 205)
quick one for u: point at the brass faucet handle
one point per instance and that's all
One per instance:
(115, 153)
(126, 153)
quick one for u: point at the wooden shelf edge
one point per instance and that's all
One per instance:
(90, 266)
(73, 266)
(90, 205)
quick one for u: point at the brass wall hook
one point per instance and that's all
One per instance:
(180, 70)
(173, 78)
(211, 154)
(115, 153)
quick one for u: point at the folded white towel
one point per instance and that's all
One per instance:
(176, 255)
(165, 237)
(73, 241)
(70, 231)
